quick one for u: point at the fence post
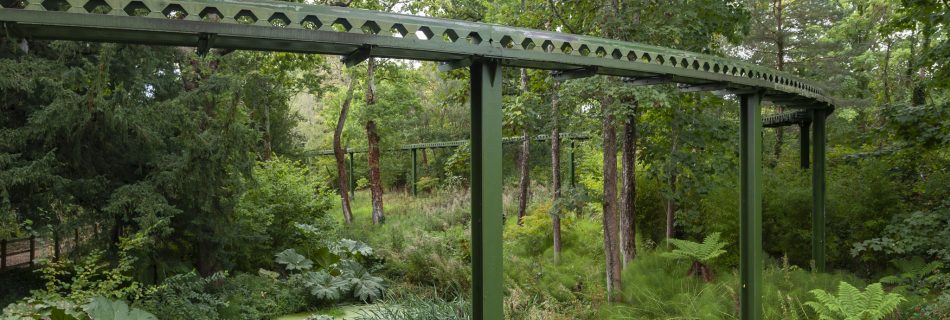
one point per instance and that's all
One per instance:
(3, 254)
(32, 249)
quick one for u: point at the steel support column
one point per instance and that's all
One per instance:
(352, 178)
(818, 190)
(750, 226)
(487, 278)
(414, 173)
(804, 144)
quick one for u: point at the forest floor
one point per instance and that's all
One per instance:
(425, 246)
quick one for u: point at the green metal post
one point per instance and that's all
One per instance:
(487, 279)
(413, 183)
(352, 178)
(818, 190)
(750, 226)
(804, 145)
(570, 168)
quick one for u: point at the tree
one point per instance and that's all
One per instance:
(372, 136)
(340, 154)
(525, 180)
(611, 228)
(628, 194)
(556, 169)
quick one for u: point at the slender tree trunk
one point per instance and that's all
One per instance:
(375, 181)
(525, 181)
(611, 229)
(886, 71)
(628, 196)
(268, 148)
(340, 154)
(780, 49)
(671, 208)
(556, 171)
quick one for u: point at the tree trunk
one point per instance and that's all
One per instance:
(340, 154)
(556, 171)
(375, 182)
(780, 65)
(671, 208)
(611, 229)
(524, 182)
(628, 196)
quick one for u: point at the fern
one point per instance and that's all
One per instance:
(852, 304)
(703, 252)
(700, 253)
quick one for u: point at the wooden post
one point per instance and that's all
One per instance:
(32, 249)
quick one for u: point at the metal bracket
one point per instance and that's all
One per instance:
(702, 87)
(358, 56)
(648, 81)
(561, 75)
(205, 42)
(734, 91)
(455, 64)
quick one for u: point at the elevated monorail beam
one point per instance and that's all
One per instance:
(358, 34)
(452, 144)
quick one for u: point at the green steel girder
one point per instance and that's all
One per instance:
(750, 216)
(453, 144)
(294, 27)
(786, 119)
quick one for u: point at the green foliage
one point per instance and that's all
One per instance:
(414, 308)
(915, 276)
(293, 261)
(186, 296)
(285, 209)
(852, 304)
(104, 309)
(709, 249)
(427, 184)
(323, 286)
(920, 233)
(252, 297)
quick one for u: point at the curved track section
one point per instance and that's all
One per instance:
(292, 27)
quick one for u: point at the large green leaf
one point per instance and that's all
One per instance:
(104, 309)
(293, 260)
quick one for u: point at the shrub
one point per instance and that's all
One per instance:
(285, 209)
(185, 296)
(254, 297)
